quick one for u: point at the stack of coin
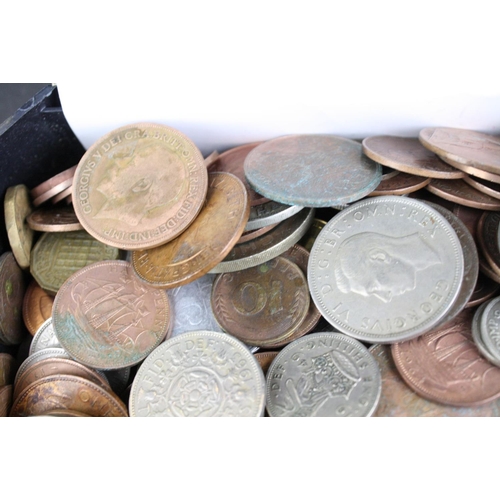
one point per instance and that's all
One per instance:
(55, 189)
(7, 372)
(486, 330)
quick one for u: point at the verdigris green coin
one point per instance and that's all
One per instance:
(311, 170)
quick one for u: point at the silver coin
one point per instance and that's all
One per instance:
(478, 338)
(49, 352)
(323, 375)
(199, 374)
(44, 337)
(489, 328)
(270, 213)
(386, 269)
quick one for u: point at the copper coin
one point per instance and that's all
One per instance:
(232, 161)
(37, 307)
(388, 173)
(63, 195)
(468, 147)
(485, 268)
(402, 183)
(469, 216)
(5, 400)
(54, 219)
(205, 243)
(459, 191)
(8, 366)
(487, 187)
(407, 154)
(51, 193)
(211, 158)
(139, 186)
(63, 413)
(475, 172)
(67, 392)
(265, 359)
(12, 288)
(261, 305)
(488, 239)
(485, 289)
(251, 235)
(61, 177)
(106, 318)
(444, 365)
(49, 352)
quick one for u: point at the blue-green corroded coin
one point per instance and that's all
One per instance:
(312, 170)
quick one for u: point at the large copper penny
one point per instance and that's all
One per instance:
(232, 161)
(54, 219)
(402, 183)
(67, 392)
(205, 243)
(407, 154)
(139, 186)
(469, 216)
(53, 192)
(444, 365)
(37, 307)
(54, 181)
(463, 146)
(261, 305)
(106, 318)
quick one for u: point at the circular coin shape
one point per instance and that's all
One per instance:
(324, 374)
(54, 219)
(487, 187)
(106, 318)
(37, 307)
(485, 289)
(311, 170)
(386, 269)
(139, 186)
(261, 305)
(199, 374)
(477, 336)
(44, 338)
(490, 328)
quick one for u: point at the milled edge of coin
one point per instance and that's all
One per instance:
(269, 213)
(46, 325)
(477, 337)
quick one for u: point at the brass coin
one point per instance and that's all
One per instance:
(261, 305)
(56, 256)
(487, 237)
(37, 307)
(67, 392)
(487, 187)
(204, 243)
(54, 181)
(106, 318)
(8, 365)
(139, 186)
(468, 147)
(485, 289)
(402, 183)
(475, 172)
(407, 154)
(54, 219)
(459, 191)
(5, 400)
(17, 207)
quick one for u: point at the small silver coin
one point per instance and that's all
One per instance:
(44, 337)
(477, 336)
(269, 213)
(323, 375)
(489, 328)
(49, 352)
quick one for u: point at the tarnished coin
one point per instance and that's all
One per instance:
(307, 241)
(386, 269)
(8, 365)
(485, 289)
(139, 186)
(17, 207)
(459, 191)
(12, 287)
(400, 184)
(467, 147)
(261, 305)
(54, 181)
(265, 359)
(199, 374)
(54, 219)
(267, 246)
(487, 238)
(5, 400)
(37, 307)
(469, 216)
(444, 365)
(67, 392)
(63, 413)
(407, 154)
(269, 213)
(490, 328)
(487, 187)
(311, 170)
(323, 375)
(106, 318)
(44, 338)
(50, 352)
(56, 256)
(232, 161)
(205, 243)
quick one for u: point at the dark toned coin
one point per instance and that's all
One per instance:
(251, 235)
(487, 187)
(485, 289)
(5, 400)
(60, 218)
(488, 239)
(8, 365)
(307, 241)
(402, 183)
(37, 307)
(469, 216)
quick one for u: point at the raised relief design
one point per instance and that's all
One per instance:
(465, 141)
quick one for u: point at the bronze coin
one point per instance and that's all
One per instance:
(63, 413)
(485, 289)
(459, 191)
(469, 216)
(261, 305)
(444, 365)
(63, 196)
(232, 161)
(487, 237)
(468, 147)
(402, 183)
(54, 219)
(204, 243)
(106, 318)
(265, 359)
(487, 187)
(67, 392)
(475, 172)
(51, 193)
(388, 173)
(407, 154)
(139, 186)
(251, 235)
(8, 365)
(5, 400)
(37, 307)
(485, 268)
(307, 241)
(54, 181)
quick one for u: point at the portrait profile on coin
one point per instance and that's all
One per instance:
(375, 264)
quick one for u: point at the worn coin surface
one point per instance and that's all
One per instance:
(5, 400)
(139, 186)
(311, 170)
(265, 359)
(54, 219)
(269, 213)
(386, 269)
(488, 187)
(487, 238)
(407, 154)
(53, 192)
(251, 235)
(8, 365)
(261, 305)
(477, 336)
(44, 338)
(106, 318)
(324, 374)
(402, 183)
(199, 374)
(37, 307)
(50, 352)
(204, 243)
(490, 328)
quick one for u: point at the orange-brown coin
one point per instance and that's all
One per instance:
(487, 187)
(205, 243)
(407, 154)
(37, 307)
(139, 186)
(63, 195)
(8, 365)
(476, 172)
(54, 181)
(402, 183)
(51, 193)
(5, 400)
(261, 305)
(54, 219)
(265, 359)
(67, 392)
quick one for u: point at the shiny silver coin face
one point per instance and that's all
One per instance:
(323, 375)
(386, 269)
(490, 328)
(44, 337)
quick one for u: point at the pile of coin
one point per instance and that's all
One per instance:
(344, 264)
